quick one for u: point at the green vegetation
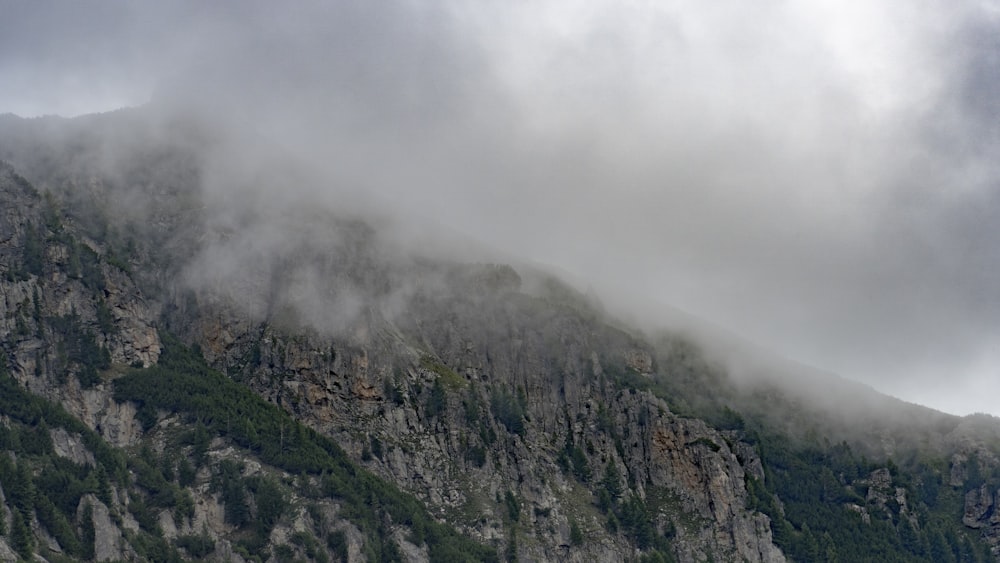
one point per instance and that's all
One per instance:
(198, 546)
(78, 349)
(513, 506)
(446, 375)
(437, 400)
(810, 486)
(816, 486)
(40, 484)
(33, 413)
(575, 533)
(816, 494)
(573, 459)
(509, 409)
(182, 383)
(706, 442)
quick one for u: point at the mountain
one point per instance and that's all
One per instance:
(249, 373)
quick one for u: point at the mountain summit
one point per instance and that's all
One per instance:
(250, 373)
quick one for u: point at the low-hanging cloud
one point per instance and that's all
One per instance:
(816, 176)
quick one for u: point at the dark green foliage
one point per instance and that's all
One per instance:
(612, 480)
(636, 522)
(21, 329)
(578, 462)
(90, 269)
(196, 545)
(284, 553)
(105, 320)
(79, 348)
(475, 455)
(974, 476)
(392, 392)
(162, 493)
(815, 485)
(21, 490)
(572, 458)
(167, 467)
(229, 483)
(604, 421)
(56, 522)
(88, 535)
(154, 548)
(37, 440)
(183, 383)
(183, 505)
(63, 482)
(186, 473)
(33, 250)
(486, 433)
(472, 406)
(575, 534)
(20, 536)
(437, 400)
(199, 439)
(508, 410)
(44, 485)
(513, 506)
(511, 553)
(269, 501)
(144, 516)
(308, 544)
(728, 419)
(337, 542)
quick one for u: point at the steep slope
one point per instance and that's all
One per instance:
(94, 471)
(514, 408)
(506, 454)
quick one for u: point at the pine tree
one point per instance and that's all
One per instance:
(89, 533)
(612, 480)
(22, 491)
(20, 536)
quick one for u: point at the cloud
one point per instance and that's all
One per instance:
(816, 176)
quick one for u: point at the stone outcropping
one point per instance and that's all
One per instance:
(373, 384)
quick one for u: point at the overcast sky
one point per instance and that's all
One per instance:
(819, 176)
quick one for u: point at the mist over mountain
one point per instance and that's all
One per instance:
(819, 180)
(155, 306)
(538, 282)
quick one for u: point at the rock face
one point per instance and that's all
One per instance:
(53, 272)
(979, 508)
(108, 544)
(981, 498)
(504, 401)
(473, 417)
(71, 447)
(524, 406)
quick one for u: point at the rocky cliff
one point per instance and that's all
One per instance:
(206, 388)
(508, 430)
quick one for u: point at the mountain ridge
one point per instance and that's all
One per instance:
(510, 404)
